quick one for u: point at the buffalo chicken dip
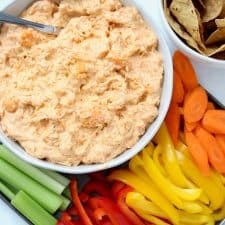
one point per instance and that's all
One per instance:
(85, 95)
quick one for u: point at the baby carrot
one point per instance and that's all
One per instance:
(220, 138)
(173, 122)
(185, 70)
(195, 105)
(198, 153)
(210, 106)
(178, 89)
(214, 151)
(214, 121)
(190, 126)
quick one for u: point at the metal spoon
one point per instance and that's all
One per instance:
(5, 18)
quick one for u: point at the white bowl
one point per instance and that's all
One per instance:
(15, 8)
(218, 63)
(210, 71)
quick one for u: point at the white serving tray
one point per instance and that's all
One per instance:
(213, 83)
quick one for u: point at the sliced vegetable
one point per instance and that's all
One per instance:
(178, 89)
(147, 189)
(76, 201)
(57, 177)
(198, 153)
(190, 126)
(185, 70)
(121, 198)
(215, 153)
(195, 105)
(111, 210)
(169, 157)
(214, 121)
(6, 191)
(31, 171)
(173, 121)
(205, 183)
(32, 210)
(220, 138)
(47, 199)
(96, 186)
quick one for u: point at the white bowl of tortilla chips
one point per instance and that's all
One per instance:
(15, 7)
(198, 29)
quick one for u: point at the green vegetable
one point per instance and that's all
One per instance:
(6, 191)
(65, 204)
(36, 174)
(67, 193)
(56, 176)
(46, 198)
(32, 210)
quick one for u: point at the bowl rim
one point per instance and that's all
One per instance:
(181, 44)
(165, 99)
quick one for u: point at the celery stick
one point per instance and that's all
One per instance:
(67, 193)
(32, 210)
(58, 177)
(46, 198)
(6, 191)
(65, 204)
(31, 171)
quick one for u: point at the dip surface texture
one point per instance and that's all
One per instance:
(86, 95)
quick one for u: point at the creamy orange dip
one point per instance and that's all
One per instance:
(86, 95)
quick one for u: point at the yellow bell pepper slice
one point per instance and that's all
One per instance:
(169, 157)
(173, 193)
(136, 200)
(156, 158)
(219, 215)
(205, 209)
(148, 190)
(152, 219)
(192, 207)
(205, 183)
(191, 219)
(136, 166)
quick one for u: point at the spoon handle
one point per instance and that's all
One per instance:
(18, 21)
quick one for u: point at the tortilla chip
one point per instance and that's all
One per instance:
(213, 9)
(220, 22)
(214, 50)
(216, 36)
(220, 55)
(180, 31)
(222, 14)
(186, 14)
(202, 4)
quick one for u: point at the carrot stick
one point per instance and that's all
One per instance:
(185, 70)
(220, 138)
(210, 106)
(214, 121)
(190, 126)
(214, 151)
(173, 122)
(195, 105)
(198, 153)
(178, 89)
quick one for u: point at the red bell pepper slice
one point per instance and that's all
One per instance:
(72, 211)
(59, 222)
(125, 209)
(76, 201)
(98, 176)
(99, 213)
(83, 197)
(96, 186)
(67, 220)
(116, 187)
(111, 210)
